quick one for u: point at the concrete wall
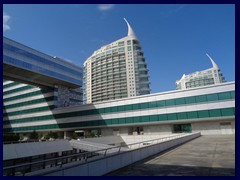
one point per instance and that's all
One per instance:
(233, 125)
(123, 131)
(210, 128)
(103, 166)
(205, 127)
(107, 132)
(158, 129)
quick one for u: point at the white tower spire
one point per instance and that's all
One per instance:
(213, 63)
(130, 31)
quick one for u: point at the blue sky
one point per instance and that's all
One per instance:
(175, 38)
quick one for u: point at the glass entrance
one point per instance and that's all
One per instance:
(180, 128)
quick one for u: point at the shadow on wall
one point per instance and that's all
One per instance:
(6, 120)
(26, 104)
(79, 117)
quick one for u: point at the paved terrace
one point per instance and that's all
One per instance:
(212, 155)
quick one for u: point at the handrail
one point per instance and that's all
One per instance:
(18, 142)
(85, 155)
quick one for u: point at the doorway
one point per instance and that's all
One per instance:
(182, 128)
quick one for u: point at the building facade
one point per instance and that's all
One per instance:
(201, 78)
(117, 70)
(207, 109)
(41, 75)
(24, 64)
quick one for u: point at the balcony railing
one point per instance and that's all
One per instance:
(82, 158)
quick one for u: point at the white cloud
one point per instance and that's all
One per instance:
(105, 7)
(5, 22)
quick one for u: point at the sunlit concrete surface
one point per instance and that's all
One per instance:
(208, 155)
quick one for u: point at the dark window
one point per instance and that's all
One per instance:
(170, 102)
(201, 98)
(180, 101)
(182, 115)
(215, 113)
(190, 100)
(172, 116)
(212, 97)
(203, 114)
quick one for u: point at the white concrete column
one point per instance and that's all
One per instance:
(68, 134)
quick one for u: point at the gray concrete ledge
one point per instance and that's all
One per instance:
(110, 163)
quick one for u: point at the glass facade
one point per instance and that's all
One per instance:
(23, 57)
(38, 58)
(139, 119)
(216, 97)
(140, 66)
(38, 69)
(27, 108)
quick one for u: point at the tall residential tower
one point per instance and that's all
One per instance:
(116, 70)
(201, 78)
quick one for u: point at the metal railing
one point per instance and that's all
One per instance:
(18, 142)
(22, 169)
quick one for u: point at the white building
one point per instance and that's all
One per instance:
(116, 70)
(207, 109)
(201, 78)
